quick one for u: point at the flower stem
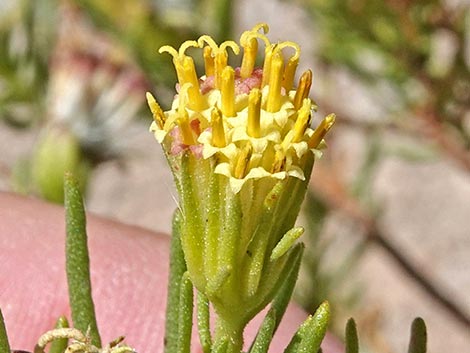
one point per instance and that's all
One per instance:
(227, 330)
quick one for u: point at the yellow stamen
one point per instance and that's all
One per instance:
(289, 73)
(243, 159)
(302, 121)
(268, 53)
(250, 49)
(209, 61)
(254, 113)
(274, 95)
(321, 131)
(303, 90)
(186, 131)
(220, 54)
(279, 161)
(156, 110)
(218, 132)
(227, 91)
(189, 75)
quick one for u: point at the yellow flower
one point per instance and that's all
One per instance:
(241, 149)
(251, 120)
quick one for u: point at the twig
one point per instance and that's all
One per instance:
(335, 196)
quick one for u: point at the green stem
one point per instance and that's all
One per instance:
(78, 262)
(231, 332)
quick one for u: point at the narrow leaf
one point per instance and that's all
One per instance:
(284, 294)
(185, 318)
(418, 339)
(203, 322)
(352, 341)
(4, 345)
(78, 262)
(286, 242)
(310, 334)
(177, 269)
(59, 345)
(265, 333)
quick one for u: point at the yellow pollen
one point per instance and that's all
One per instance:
(249, 57)
(303, 90)
(273, 103)
(227, 91)
(254, 113)
(156, 110)
(209, 61)
(302, 121)
(321, 131)
(243, 159)
(218, 132)
(186, 132)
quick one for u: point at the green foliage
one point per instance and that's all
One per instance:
(78, 262)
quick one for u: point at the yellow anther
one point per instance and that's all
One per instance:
(156, 110)
(303, 90)
(186, 131)
(303, 118)
(209, 61)
(273, 103)
(189, 75)
(279, 163)
(254, 113)
(321, 131)
(268, 53)
(218, 132)
(250, 49)
(243, 159)
(227, 91)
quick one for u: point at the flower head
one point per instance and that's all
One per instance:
(241, 148)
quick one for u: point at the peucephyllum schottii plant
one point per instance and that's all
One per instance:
(241, 147)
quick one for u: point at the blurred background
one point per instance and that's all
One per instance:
(388, 211)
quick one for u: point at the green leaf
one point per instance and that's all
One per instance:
(284, 294)
(286, 242)
(310, 334)
(418, 339)
(185, 318)
(352, 342)
(265, 333)
(177, 269)
(78, 262)
(4, 345)
(203, 322)
(59, 345)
